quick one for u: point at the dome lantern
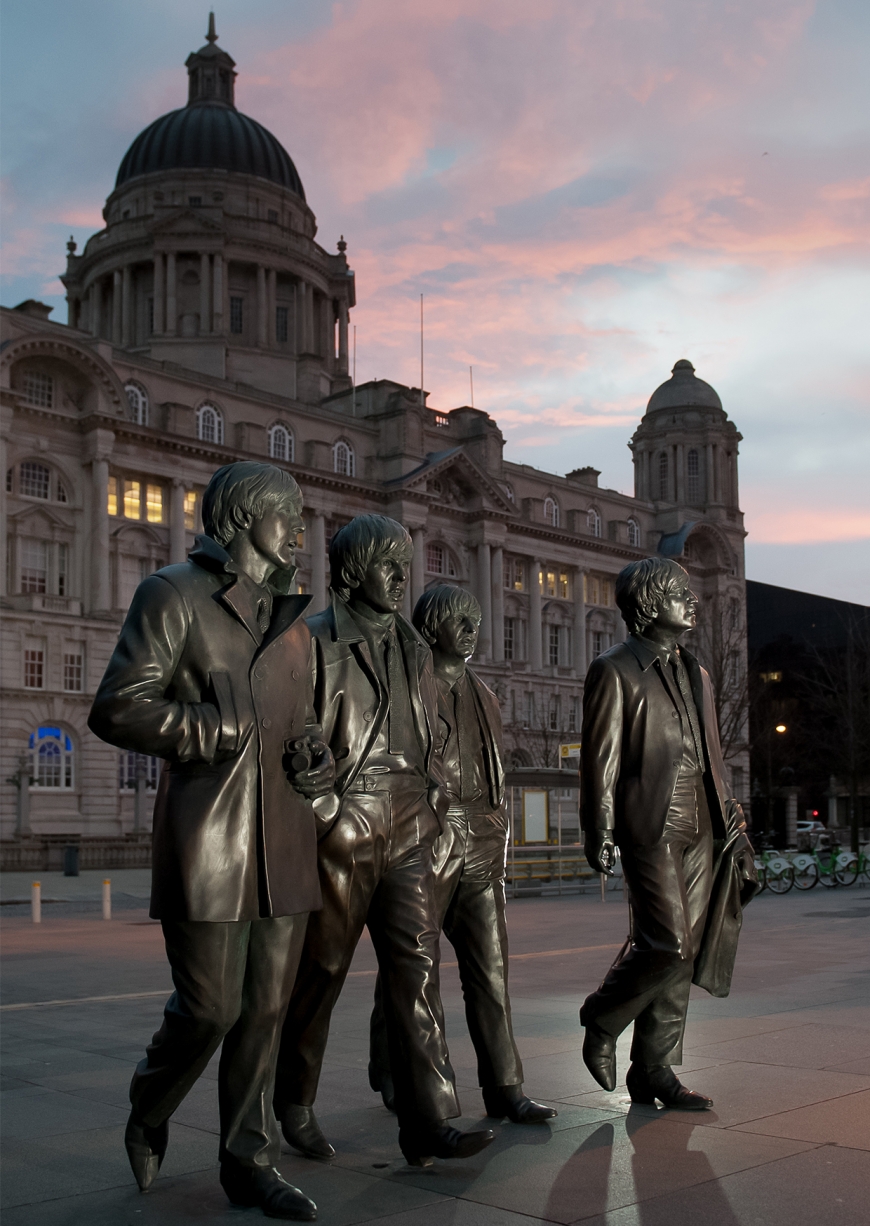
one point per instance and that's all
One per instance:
(210, 72)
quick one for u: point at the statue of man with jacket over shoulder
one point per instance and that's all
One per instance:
(212, 672)
(374, 695)
(652, 783)
(470, 859)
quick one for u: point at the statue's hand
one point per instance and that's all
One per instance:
(320, 776)
(735, 819)
(600, 851)
(439, 802)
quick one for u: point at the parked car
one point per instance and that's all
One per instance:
(809, 833)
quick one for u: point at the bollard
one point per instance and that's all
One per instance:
(36, 902)
(107, 899)
(603, 887)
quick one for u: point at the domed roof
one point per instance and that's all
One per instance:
(684, 391)
(209, 136)
(209, 133)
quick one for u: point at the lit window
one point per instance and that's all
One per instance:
(209, 424)
(516, 571)
(34, 566)
(563, 584)
(591, 589)
(281, 324)
(38, 389)
(73, 671)
(132, 500)
(236, 319)
(593, 522)
(634, 533)
(280, 443)
(52, 755)
(693, 477)
(343, 459)
(548, 582)
(34, 480)
(112, 499)
(442, 420)
(62, 569)
(129, 765)
(510, 625)
(190, 509)
(435, 559)
(663, 474)
(137, 398)
(551, 512)
(154, 504)
(34, 661)
(777, 676)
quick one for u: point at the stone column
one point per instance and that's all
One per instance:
(418, 565)
(271, 306)
(100, 594)
(96, 320)
(204, 294)
(536, 641)
(159, 294)
(318, 562)
(127, 337)
(177, 531)
(579, 623)
(484, 595)
(117, 303)
(261, 306)
(171, 303)
(498, 604)
(217, 325)
(22, 816)
(342, 336)
(681, 473)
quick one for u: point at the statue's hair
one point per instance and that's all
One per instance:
(642, 588)
(440, 602)
(240, 492)
(366, 539)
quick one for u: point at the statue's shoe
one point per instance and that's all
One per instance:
(509, 1102)
(268, 1190)
(146, 1147)
(301, 1130)
(599, 1054)
(645, 1085)
(420, 1146)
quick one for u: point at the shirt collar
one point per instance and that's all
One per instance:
(647, 651)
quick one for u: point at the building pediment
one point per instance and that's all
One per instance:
(39, 519)
(453, 477)
(184, 222)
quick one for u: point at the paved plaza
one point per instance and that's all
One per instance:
(786, 1058)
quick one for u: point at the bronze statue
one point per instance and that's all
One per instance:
(652, 783)
(470, 859)
(212, 672)
(375, 699)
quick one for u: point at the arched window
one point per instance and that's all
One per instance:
(209, 424)
(551, 512)
(439, 560)
(137, 398)
(593, 521)
(280, 443)
(343, 459)
(634, 533)
(663, 475)
(38, 388)
(693, 477)
(52, 757)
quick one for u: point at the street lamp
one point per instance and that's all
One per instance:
(780, 728)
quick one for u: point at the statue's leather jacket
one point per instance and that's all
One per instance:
(191, 681)
(632, 743)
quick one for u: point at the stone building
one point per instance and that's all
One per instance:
(206, 324)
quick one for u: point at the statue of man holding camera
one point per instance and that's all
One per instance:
(212, 672)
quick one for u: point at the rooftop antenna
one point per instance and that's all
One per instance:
(211, 37)
(422, 395)
(471, 381)
(353, 380)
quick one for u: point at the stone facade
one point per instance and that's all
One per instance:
(207, 325)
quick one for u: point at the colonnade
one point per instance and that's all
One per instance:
(717, 473)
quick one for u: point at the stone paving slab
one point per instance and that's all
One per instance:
(786, 1058)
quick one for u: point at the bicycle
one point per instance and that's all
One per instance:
(774, 872)
(851, 866)
(835, 868)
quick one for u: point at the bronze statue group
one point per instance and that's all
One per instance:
(344, 772)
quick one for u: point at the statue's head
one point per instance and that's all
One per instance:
(448, 618)
(655, 590)
(260, 500)
(369, 561)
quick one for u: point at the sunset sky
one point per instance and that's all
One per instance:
(585, 191)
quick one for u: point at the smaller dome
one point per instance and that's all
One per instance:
(684, 391)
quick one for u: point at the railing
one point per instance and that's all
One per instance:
(42, 855)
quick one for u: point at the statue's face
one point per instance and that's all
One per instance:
(679, 611)
(276, 533)
(383, 585)
(456, 636)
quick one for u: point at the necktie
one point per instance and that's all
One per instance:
(688, 703)
(395, 681)
(264, 614)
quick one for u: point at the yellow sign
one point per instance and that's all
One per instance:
(570, 751)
